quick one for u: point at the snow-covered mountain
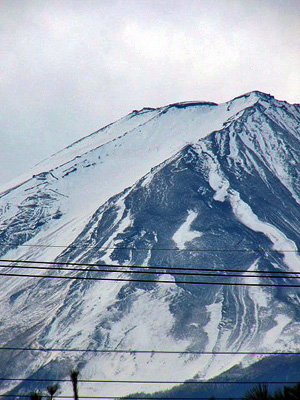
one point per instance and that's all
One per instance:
(189, 185)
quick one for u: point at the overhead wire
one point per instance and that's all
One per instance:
(151, 249)
(167, 268)
(124, 397)
(152, 352)
(156, 272)
(232, 273)
(90, 278)
(200, 383)
(148, 381)
(287, 274)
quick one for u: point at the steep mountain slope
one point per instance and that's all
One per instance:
(234, 382)
(190, 185)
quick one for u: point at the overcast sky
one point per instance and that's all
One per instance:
(69, 67)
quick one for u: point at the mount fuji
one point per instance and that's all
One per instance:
(175, 190)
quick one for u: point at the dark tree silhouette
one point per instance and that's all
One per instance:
(295, 392)
(52, 389)
(259, 392)
(36, 395)
(278, 395)
(288, 393)
(74, 378)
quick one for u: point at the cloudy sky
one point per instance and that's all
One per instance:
(69, 67)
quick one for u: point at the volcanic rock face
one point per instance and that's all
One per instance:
(190, 185)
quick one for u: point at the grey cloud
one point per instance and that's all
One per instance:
(69, 67)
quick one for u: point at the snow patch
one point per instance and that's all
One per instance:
(280, 242)
(212, 327)
(216, 179)
(139, 329)
(124, 224)
(184, 234)
(273, 334)
(257, 294)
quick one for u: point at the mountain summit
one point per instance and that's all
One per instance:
(204, 199)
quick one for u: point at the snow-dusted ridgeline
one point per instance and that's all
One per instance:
(185, 176)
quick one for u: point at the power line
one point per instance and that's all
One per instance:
(89, 278)
(151, 382)
(151, 249)
(117, 397)
(146, 267)
(152, 352)
(146, 272)
(123, 397)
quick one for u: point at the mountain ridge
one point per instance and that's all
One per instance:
(163, 108)
(234, 188)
